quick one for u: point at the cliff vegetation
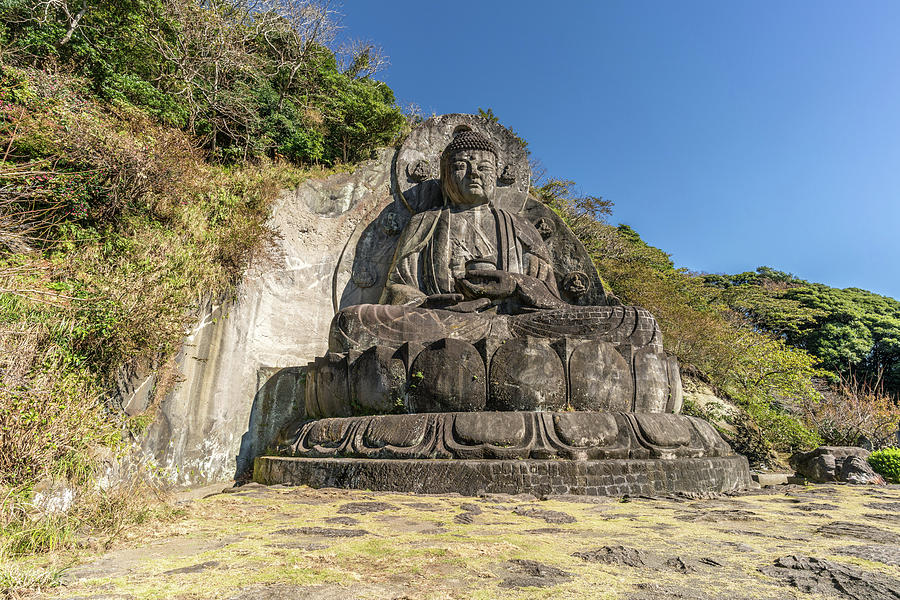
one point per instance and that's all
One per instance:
(141, 145)
(803, 362)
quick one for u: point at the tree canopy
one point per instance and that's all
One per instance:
(850, 330)
(247, 77)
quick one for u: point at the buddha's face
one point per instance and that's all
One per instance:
(471, 177)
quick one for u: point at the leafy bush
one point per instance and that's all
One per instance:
(247, 78)
(765, 430)
(113, 230)
(887, 463)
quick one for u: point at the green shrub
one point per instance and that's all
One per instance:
(113, 228)
(887, 463)
(246, 79)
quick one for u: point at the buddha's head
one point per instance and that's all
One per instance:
(469, 169)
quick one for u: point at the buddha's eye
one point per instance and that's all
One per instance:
(487, 167)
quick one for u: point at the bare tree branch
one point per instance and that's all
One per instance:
(73, 24)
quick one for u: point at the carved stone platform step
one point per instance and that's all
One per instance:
(615, 477)
(576, 435)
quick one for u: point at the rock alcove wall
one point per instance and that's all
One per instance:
(239, 382)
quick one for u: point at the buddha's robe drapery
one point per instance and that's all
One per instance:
(427, 259)
(434, 251)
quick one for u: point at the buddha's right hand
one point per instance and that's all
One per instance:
(471, 306)
(442, 300)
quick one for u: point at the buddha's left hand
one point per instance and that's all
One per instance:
(495, 285)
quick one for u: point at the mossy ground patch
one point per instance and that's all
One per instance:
(284, 543)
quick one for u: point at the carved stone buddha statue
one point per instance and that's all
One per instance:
(471, 296)
(471, 324)
(469, 270)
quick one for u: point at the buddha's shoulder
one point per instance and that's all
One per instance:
(423, 218)
(525, 227)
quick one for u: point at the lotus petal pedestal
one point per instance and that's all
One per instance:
(592, 453)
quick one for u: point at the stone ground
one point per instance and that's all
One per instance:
(260, 543)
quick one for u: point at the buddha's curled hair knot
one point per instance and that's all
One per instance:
(469, 140)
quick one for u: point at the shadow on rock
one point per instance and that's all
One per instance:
(518, 573)
(819, 576)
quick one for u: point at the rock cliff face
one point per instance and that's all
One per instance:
(238, 378)
(703, 397)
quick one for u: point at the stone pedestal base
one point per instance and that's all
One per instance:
(510, 435)
(592, 453)
(610, 477)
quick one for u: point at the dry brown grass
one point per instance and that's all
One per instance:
(113, 231)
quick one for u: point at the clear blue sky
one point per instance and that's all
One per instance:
(731, 135)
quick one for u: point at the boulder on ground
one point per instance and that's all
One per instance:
(857, 470)
(836, 463)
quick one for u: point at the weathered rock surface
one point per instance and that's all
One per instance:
(550, 516)
(836, 463)
(820, 576)
(328, 532)
(341, 521)
(238, 384)
(199, 567)
(889, 554)
(467, 517)
(857, 470)
(284, 591)
(362, 508)
(642, 559)
(859, 531)
(531, 573)
(616, 555)
(696, 515)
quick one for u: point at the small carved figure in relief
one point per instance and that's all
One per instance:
(576, 283)
(508, 176)
(363, 275)
(545, 227)
(390, 223)
(418, 171)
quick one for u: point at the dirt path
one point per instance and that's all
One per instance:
(289, 543)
